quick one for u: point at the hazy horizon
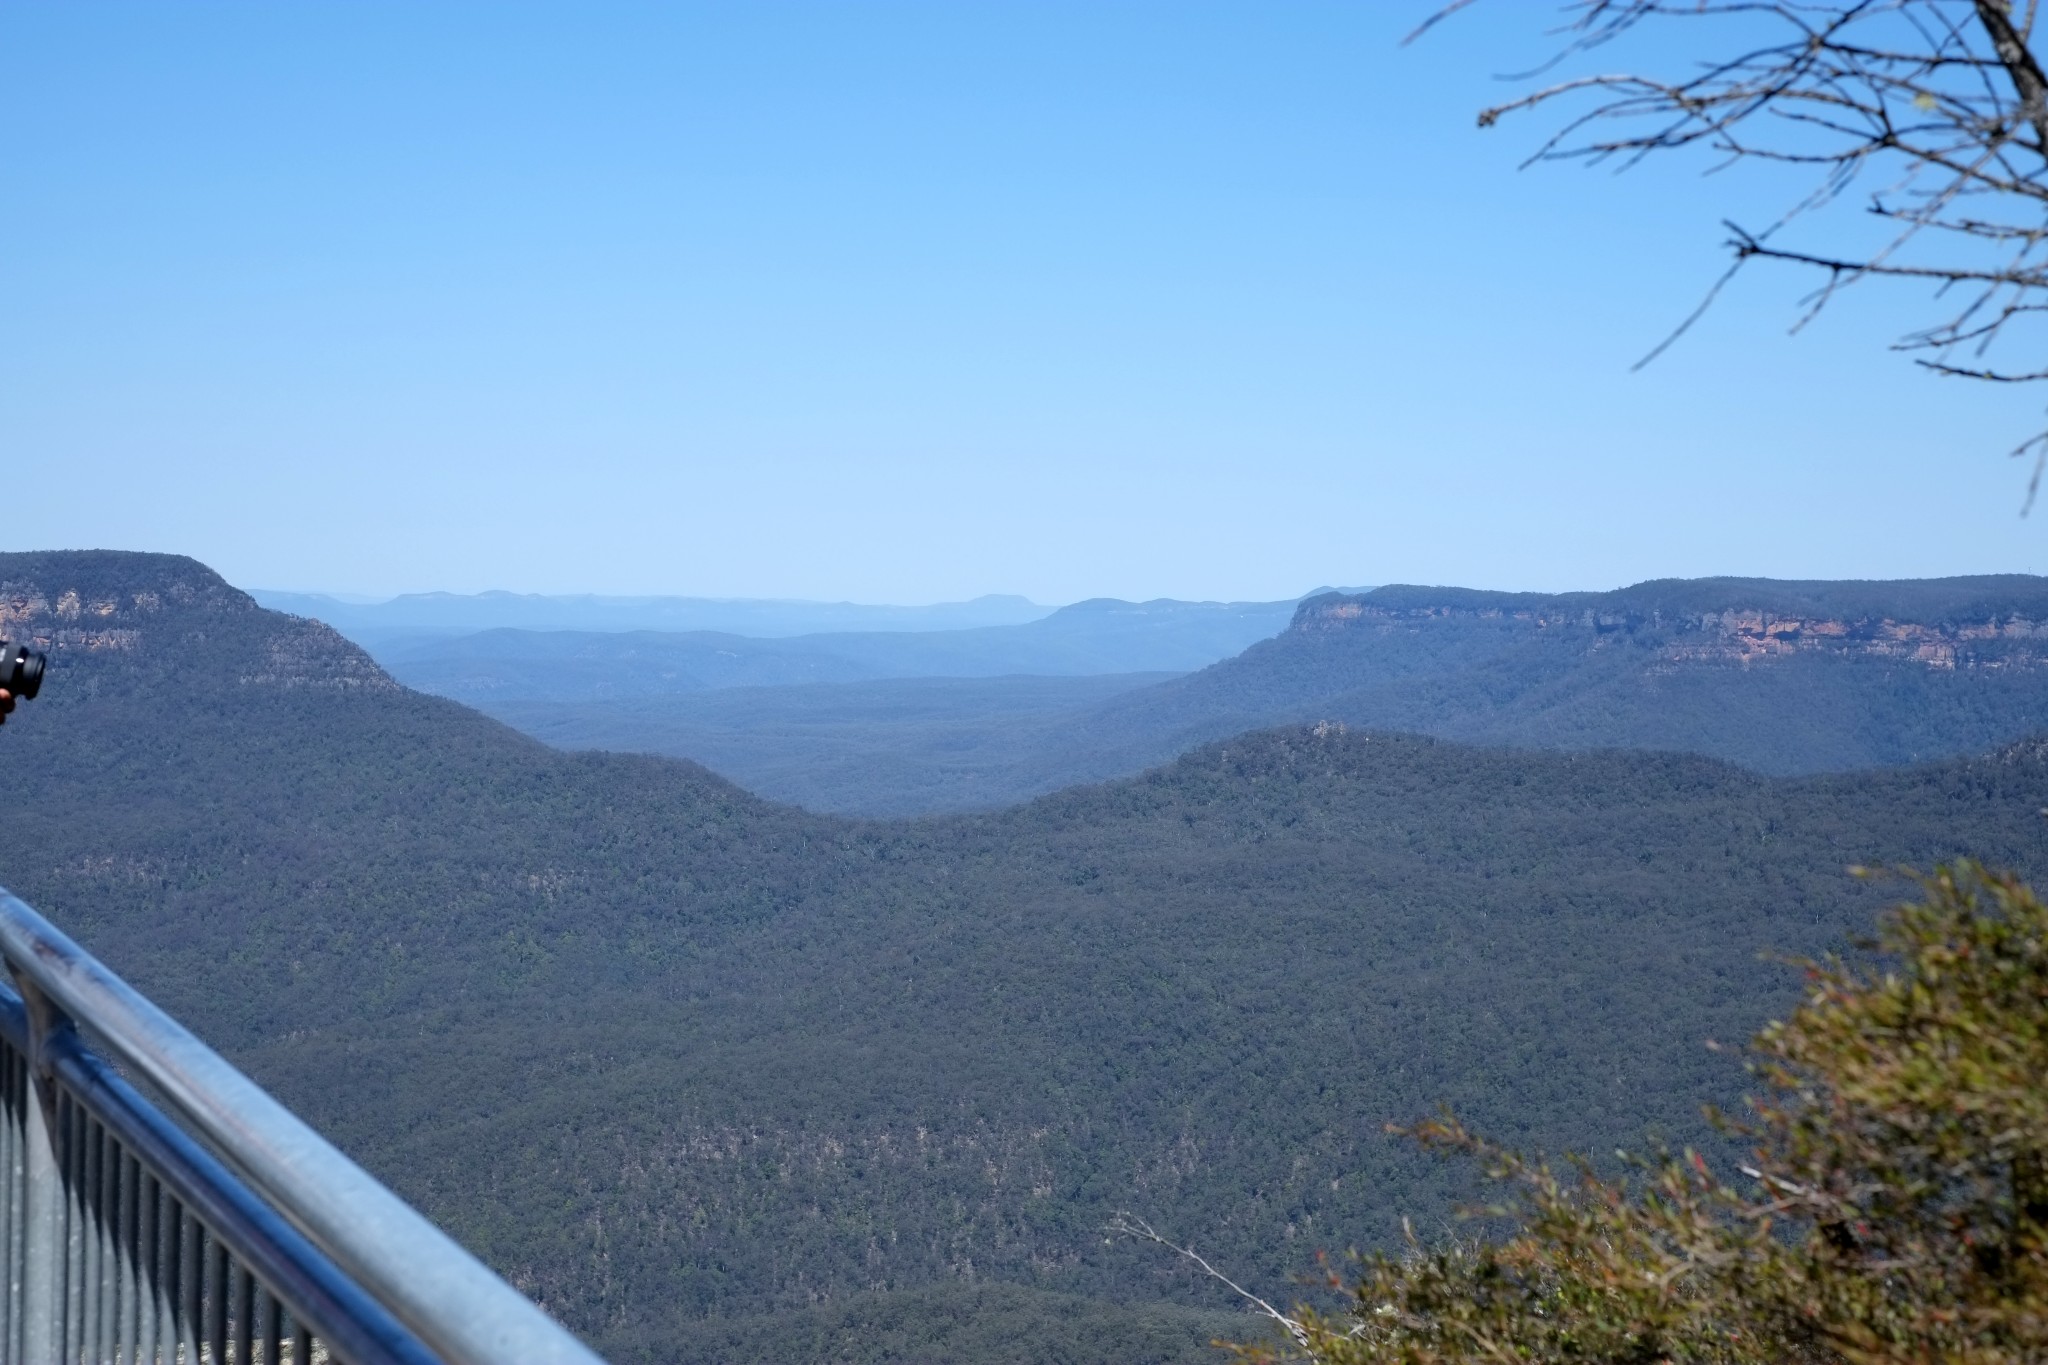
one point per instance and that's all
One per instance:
(373, 600)
(354, 599)
(909, 303)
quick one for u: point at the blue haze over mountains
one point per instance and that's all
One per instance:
(447, 613)
(1095, 637)
(1782, 677)
(837, 706)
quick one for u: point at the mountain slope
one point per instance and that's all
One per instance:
(666, 1053)
(1783, 677)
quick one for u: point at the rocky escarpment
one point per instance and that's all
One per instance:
(1963, 623)
(166, 615)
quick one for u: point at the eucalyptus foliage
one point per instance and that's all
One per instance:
(1895, 1207)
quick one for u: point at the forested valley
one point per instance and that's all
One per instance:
(1784, 677)
(716, 1078)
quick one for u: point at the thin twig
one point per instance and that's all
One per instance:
(1129, 1225)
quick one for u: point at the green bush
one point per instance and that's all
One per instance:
(1895, 1207)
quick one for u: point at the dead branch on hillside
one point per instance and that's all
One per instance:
(1129, 1225)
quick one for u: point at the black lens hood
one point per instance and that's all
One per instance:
(21, 670)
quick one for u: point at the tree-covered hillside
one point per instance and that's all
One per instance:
(1782, 677)
(684, 1063)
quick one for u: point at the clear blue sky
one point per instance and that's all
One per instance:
(910, 302)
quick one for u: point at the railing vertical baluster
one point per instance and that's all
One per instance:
(73, 1139)
(119, 1301)
(17, 1209)
(93, 1194)
(83, 1279)
(42, 1231)
(23, 1096)
(10, 1277)
(194, 1276)
(149, 1265)
(27, 1094)
(127, 1323)
(109, 1246)
(141, 1233)
(123, 1335)
(25, 1203)
(271, 1329)
(171, 1237)
(86, 1348)
(229, 1285)
(111, 1275)
(37, 1206)
(121, 1228)
(167, 1274)
(95, 1200)
(89, 1200)
(202, 1305)
(302, 1343)
(92, 1224)
(75, 1229)
(217, 1305)
(245, 1314)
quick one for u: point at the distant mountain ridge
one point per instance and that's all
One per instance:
(1782, 677)
(1984, 621)
(446, 613)
(1096, 637)
(1923, 600)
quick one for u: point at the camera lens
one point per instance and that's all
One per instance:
(21, 670)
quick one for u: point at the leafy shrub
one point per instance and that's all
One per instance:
(1896, 1208)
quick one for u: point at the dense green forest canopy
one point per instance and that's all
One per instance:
(673, 1057)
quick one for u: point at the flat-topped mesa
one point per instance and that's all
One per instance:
(158, 613)
(1989, 621)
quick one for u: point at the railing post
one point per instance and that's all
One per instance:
(43, 1241)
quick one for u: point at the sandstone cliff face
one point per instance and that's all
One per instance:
(165, 613)
(1736, 634)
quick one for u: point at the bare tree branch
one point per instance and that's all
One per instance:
(2027, 80)
(1945, 100)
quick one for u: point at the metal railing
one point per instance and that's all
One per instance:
(216, 1228)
